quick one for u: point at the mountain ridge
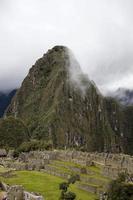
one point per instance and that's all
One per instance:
(66, 108)
(124, 96)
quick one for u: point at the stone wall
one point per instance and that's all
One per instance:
(111, 164)
(31, 196)
(17, 192)
(34, 160)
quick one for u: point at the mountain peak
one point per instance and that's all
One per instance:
(59, 60)
(60, 48)
(57, 102)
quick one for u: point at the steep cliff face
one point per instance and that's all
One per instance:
(128, 129)
(58, 102)
(121, 120)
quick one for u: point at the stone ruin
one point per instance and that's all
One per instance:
(3, 153)
(34, 160)
(17, 192)
(111, 164)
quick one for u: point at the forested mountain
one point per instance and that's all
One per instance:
(57, 102)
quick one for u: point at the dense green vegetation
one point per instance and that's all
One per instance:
(13, 132)
(33, 145)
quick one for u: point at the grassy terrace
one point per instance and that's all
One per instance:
(45, 184)
(94, 169)
(95, 172)
(48, 185)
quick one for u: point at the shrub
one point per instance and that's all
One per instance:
(33, 145)
(119, 189)
(65, 194)
(73, 179)
(69, 196)
(63, 186)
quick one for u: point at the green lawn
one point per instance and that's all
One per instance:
(45, 184)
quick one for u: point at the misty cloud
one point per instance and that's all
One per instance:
(100, 34)
(77, 78)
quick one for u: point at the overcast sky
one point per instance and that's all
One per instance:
(99, 32)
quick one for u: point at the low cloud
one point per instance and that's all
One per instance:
(100, 33)
(77, 78)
